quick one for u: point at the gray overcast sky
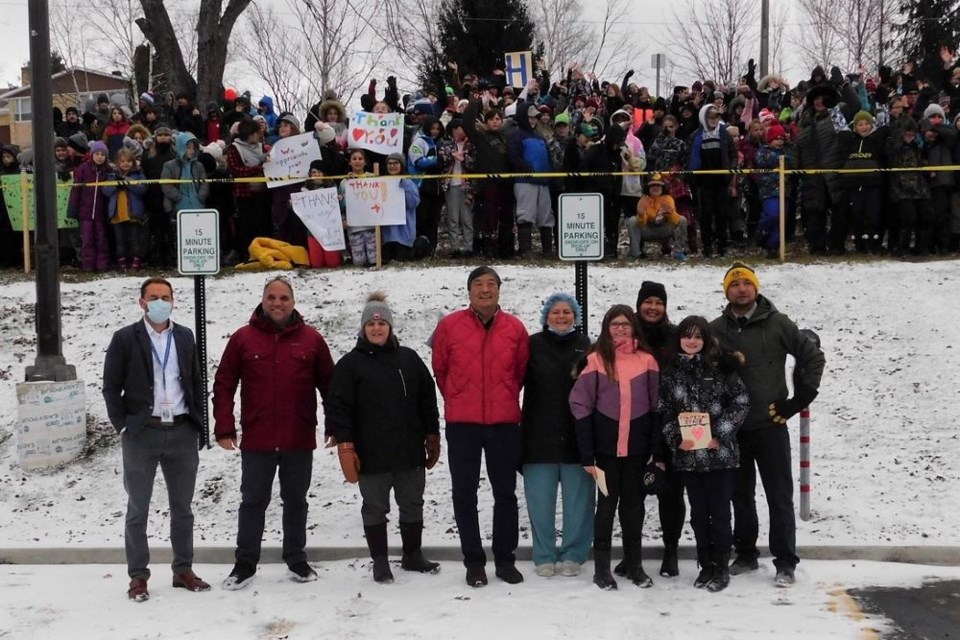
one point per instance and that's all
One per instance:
(648, 21)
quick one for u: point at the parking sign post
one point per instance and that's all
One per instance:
(580, 229)
(198, 255)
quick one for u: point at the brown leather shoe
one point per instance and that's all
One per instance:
(138, 590)
(188, 580)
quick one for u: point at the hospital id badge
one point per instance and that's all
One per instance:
(166, 413)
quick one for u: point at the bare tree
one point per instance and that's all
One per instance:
(565, 37)
(342, 48)
(408, 28)
(604, 46)
(213, 27)
(118, 37)
(716, 36)
(276, 56)
(778, 28)
(847, 33)
(817, 39)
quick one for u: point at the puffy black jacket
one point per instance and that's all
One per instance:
(766, 340)
(384, 401)
(547, 424)
(689, 385)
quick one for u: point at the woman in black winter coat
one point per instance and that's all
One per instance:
(703, 402)
(383, 405)
(550, 454)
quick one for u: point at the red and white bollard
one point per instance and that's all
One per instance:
(805, 464)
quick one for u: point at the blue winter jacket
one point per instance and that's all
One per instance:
(134, 194)
(527, 151)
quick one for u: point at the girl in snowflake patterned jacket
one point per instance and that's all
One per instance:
(701, 380)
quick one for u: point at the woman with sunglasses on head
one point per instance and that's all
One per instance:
(614, 402)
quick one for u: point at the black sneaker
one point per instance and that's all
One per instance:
(301, 572)
(508, 573)
(785, 577)
(240, 577)
(743, 564)
(476, 576)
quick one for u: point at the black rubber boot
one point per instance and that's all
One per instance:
(669, 567)
(706, 568)
(377, 543)
(601, 569)
(635, 570)
(525, 240)
(721, 573)
(546, 242)
(621, 568)
(412, 535)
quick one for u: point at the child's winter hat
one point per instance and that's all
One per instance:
(290, 119)
(566, 298)
(60, 142)
(776, 132)
(98, 147)
(376, 309)
(133, 145)
(934, 109)
(78, 142)
(740, 271)
(862, 115)
(399, 157)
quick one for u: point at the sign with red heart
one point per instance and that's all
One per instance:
(695, 426)
(377, 132)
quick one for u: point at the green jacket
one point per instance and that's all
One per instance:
(766, 340)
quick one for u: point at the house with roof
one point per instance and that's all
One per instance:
(70, 87)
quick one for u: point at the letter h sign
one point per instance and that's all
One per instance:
(518, 68)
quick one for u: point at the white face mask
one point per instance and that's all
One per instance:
(158, 311)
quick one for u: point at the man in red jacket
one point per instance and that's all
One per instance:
(479, 359)
(279, 363)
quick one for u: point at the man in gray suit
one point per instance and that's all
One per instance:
(153, 392)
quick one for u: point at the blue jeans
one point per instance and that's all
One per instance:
(540, 482)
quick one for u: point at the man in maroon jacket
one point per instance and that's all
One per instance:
(479, 359)
(279, 363)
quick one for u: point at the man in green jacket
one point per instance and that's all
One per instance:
(752, 325)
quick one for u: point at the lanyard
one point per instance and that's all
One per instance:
(166, 358)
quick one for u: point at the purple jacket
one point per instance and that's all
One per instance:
(88, 203)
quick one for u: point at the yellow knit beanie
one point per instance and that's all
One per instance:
(740, 271)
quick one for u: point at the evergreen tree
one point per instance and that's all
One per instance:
(927, 25)
(476, 33)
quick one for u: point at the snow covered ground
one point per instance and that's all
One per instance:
(885, 443)
(42, 602)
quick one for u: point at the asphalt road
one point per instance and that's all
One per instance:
(931, 612)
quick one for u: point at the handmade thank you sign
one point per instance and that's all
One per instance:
(378, 132)
(290, 159)
(695, 426)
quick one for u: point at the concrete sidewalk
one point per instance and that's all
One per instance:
(160, 553)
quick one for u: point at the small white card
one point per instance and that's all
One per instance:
(602, 481)
(695, 426)
(166, 413)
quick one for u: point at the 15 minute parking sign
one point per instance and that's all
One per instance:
(581, 226)
(198, 242)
